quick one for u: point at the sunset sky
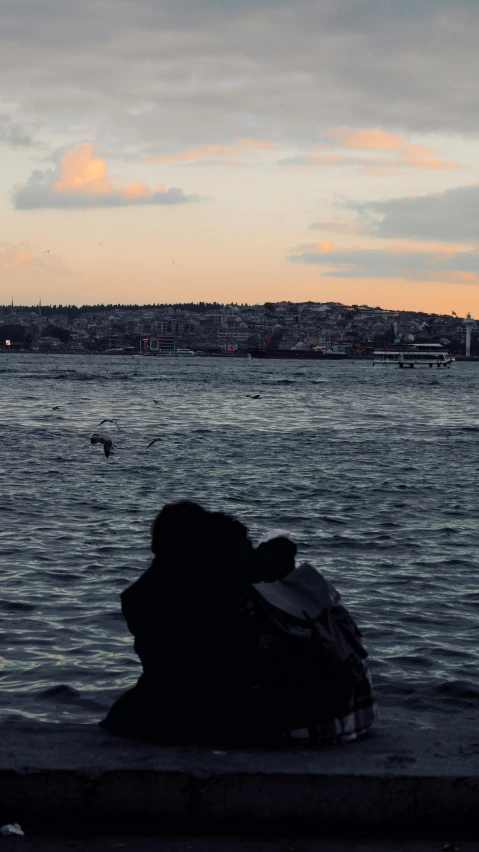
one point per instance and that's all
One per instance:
(240, 150)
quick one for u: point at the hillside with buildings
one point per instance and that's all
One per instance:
(354, 330)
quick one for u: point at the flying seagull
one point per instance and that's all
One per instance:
(107, 420)
(153, 442)
(100, 439)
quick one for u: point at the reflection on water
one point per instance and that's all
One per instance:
(374, 471)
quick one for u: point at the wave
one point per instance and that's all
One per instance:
(17, 606)
(457, 690)
(337, 541)
(64, 694)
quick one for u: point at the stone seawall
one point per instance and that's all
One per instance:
(65, 777)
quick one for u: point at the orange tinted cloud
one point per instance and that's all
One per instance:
(19, 258)
(192, 154)
(81, 180)
(81, 171)
(374, 139)
(336, 227)
(15, 258)
(367, 139)
(318, 248)
(210, 153)
(428, 162)
(392, 152)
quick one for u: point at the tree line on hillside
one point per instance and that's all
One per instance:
(73, 311)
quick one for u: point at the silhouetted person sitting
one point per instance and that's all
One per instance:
(186, 613)
(234, 641)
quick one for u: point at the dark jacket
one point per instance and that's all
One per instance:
(197, 646)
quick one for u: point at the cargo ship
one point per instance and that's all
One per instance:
(297, 354)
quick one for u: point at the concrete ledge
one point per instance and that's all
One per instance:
(57, 777)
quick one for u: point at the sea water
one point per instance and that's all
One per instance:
(374, 471)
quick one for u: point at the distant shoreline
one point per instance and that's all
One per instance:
(236, 355)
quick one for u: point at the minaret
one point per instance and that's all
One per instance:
(468, 322)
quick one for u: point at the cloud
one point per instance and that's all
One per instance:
(81, 180)
(12, 133)
(396, 152)
(449, 216)
(177, 71)
(445, 265)
(336, 227)
(15, 258)
(257, 144)
(367, 139)
(201, 152)
(318, 248)
(211, 153)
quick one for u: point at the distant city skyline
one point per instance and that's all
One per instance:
(240, 152)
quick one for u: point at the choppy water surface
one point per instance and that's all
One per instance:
(375, 471)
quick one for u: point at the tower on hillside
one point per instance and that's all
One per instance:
(469, 323)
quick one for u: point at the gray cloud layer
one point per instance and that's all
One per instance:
(148, 73)
(450, 216)
(375, 263)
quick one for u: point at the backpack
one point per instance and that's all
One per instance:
(312, 649)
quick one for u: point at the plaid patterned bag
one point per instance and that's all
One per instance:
(314, 657)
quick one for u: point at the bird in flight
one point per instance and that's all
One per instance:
(107, 420)
(153, 442)
(100, 439)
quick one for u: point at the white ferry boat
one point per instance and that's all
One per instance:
(413, 355)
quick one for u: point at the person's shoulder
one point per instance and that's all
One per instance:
(141, 586)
